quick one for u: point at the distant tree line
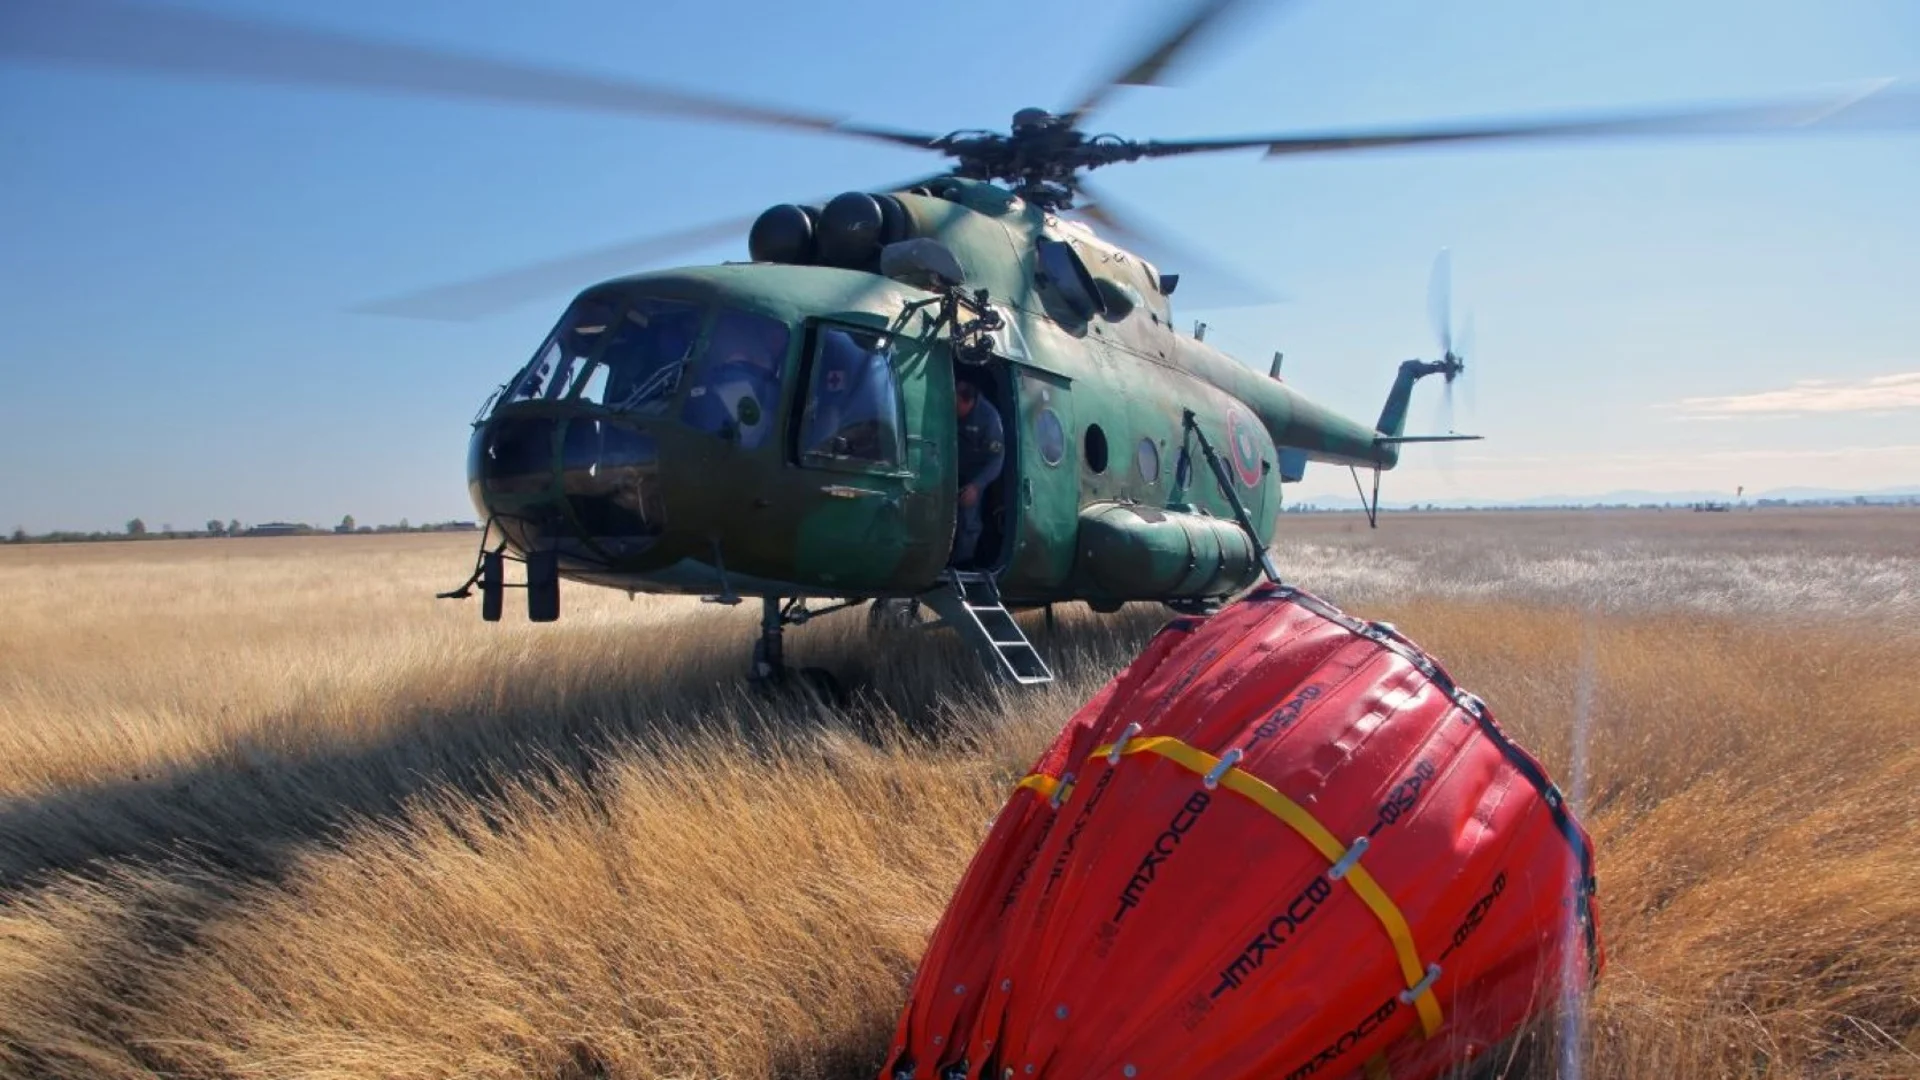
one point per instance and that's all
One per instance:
(1910, 501)
(137, 529)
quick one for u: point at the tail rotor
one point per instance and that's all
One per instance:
(1453, 345)
(1456, 341)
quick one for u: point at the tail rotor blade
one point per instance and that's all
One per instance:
(1440, 299)
(1469, 381)
(1443, 452)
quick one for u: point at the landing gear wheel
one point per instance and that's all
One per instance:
(770, 672)
(892, 614)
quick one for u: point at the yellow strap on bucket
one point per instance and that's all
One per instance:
(1296, 817)
(1040, 782)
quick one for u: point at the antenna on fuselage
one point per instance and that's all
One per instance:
(1274, 372)
(1199, 331)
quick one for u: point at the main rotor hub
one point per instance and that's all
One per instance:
(1032, 120)
(1040, 158)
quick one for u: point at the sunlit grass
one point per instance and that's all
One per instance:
(268, 810)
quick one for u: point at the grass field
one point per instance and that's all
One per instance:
(267, 809)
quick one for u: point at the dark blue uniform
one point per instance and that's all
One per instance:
(983, 450)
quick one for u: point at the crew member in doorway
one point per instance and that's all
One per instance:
(982, 452)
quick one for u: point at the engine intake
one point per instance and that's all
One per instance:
(849, 232)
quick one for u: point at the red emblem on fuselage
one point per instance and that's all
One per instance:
(1245, 439)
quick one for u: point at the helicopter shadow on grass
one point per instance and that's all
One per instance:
(246, 814)
(179, 851)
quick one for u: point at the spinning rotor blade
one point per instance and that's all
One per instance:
(481, 296)
(1145, 67)
(477, 297)
(1882, 105)
(116, 34)
(1469, 377)
(1221, 286)
(1440, 300)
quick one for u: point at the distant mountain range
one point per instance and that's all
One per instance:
(1621, 498)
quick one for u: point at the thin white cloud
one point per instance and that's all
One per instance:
(1882, 393)
(1493, 476)
(1683, 460)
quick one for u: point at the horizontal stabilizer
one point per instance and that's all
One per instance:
(1384, 439)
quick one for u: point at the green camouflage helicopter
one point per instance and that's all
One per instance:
(786, 428)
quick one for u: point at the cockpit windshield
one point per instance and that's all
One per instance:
(626, 354)
(652, 344)
(563, 360)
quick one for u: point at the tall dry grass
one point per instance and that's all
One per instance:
(266, 810)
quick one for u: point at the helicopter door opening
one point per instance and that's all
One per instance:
(985, 434)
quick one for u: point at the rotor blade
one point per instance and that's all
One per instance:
(1221, 286)
(116, 34)
(1440, 300)
(477, 297)
(1146, 66)
(1443, 452)
(1881, 105)
(1469, 375)
(481, 296)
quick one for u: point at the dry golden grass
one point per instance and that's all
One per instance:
(267, 810)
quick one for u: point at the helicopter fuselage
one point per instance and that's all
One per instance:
(789, 430)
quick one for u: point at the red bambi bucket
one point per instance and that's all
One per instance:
(1281, 844)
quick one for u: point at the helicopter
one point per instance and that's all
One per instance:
(786, 428)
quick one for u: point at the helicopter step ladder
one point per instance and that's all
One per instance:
(970, 602)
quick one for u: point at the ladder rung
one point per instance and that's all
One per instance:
(997, 629)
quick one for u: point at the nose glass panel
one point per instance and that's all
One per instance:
(611, 476)
(514, 456)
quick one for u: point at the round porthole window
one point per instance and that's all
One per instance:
(1096, 448)
(1050, 437)
(1148, 461)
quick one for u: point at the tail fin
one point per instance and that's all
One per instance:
(1393, 416)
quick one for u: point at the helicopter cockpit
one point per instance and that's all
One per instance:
(569, 456)
(632, 354)
(628, 355)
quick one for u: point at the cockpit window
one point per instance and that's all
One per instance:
(625, 354)
(650, 346)
(736, 389)
(852, 413)
(562, 360)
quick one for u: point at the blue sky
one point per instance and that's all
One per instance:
(179, 258)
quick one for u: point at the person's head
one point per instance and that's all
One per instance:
(964, 396)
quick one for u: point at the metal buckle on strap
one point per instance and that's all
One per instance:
(1212, 779)
(1348, 860)
(1421, 987)
(1061, 790)
(1120, 744)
